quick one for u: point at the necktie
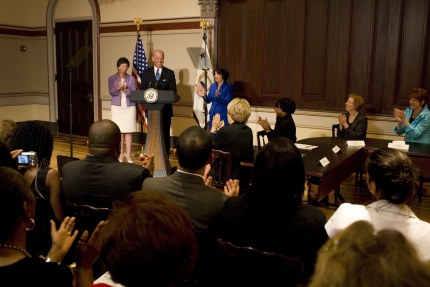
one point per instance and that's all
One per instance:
(157, 75)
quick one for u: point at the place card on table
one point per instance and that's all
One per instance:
(401, 145)
(324, 161)
(355, 143)
(337, 149)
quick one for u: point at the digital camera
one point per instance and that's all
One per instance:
(27, 158)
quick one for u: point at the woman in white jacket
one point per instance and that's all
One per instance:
(390, 178)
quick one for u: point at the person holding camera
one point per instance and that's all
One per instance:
(37, 142)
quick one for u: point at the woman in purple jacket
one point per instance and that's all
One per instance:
(123, 112)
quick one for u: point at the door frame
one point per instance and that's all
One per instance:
(52, 85)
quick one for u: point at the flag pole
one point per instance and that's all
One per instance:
(204, 24)
(138, 21)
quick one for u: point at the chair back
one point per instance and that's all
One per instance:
(247, 266)
(335, 130)
(206, 269)
(87, 216)
(220, 167)
(62, 160)
(260, 139)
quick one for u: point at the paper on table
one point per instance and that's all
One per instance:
(105, 278)
(306, 146)
(355, 143)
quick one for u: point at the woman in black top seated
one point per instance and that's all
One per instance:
(353, 124)
(284, 126)
(235, 138)
(17, 210)
(270, 216)
(45, 182)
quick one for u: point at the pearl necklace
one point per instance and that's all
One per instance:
(16, 248)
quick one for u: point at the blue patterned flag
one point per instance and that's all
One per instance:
(139, 65)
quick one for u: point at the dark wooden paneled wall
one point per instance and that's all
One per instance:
(318, 51)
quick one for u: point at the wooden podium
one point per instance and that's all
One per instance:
(155, 137)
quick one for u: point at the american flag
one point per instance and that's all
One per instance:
(139, 65)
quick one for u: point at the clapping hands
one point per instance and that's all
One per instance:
(217, 123)
(399, 115)
(200, 90)
(147, 161)
(263, 123)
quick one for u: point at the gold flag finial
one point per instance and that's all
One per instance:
(137, 21)
(204, 24)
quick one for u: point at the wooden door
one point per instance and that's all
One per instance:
(70, 37)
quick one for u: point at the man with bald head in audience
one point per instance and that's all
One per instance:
(100, 179)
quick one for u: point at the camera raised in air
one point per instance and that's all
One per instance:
(27, 158)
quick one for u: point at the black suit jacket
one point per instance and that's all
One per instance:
(357, 129)
(236, 139)
(99, 180)
(284, 127)
(167, 82)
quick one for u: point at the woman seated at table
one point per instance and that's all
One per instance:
(353, 124)
(390, 178)
(361, 256)
(270, 216)
(414, 122)
(284, 126)
(235, 138)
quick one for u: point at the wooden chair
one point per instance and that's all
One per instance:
(87, 216)
(420, 189)
(247, 266)
(62, 160)
(206, 269)
(260, 139)
(220, 168)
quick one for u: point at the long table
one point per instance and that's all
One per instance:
(346, 162)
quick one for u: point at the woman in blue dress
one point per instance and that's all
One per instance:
(220, 95)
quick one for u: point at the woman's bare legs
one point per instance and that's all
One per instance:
(128, 140)
(121, 155)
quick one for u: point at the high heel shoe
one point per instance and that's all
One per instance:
(121, 158)
(130, 161)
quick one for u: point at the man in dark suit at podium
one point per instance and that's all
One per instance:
(161, 78)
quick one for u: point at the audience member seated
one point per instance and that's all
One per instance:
(414, 122)
(7, 128)
(45, 182)
(235, 138)
(18, 267)
(100, 179)
(390, 178)
(284, 126)
(148, 241)
(362, 256)
(186, 187)
(353, 124)
(270, 216)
